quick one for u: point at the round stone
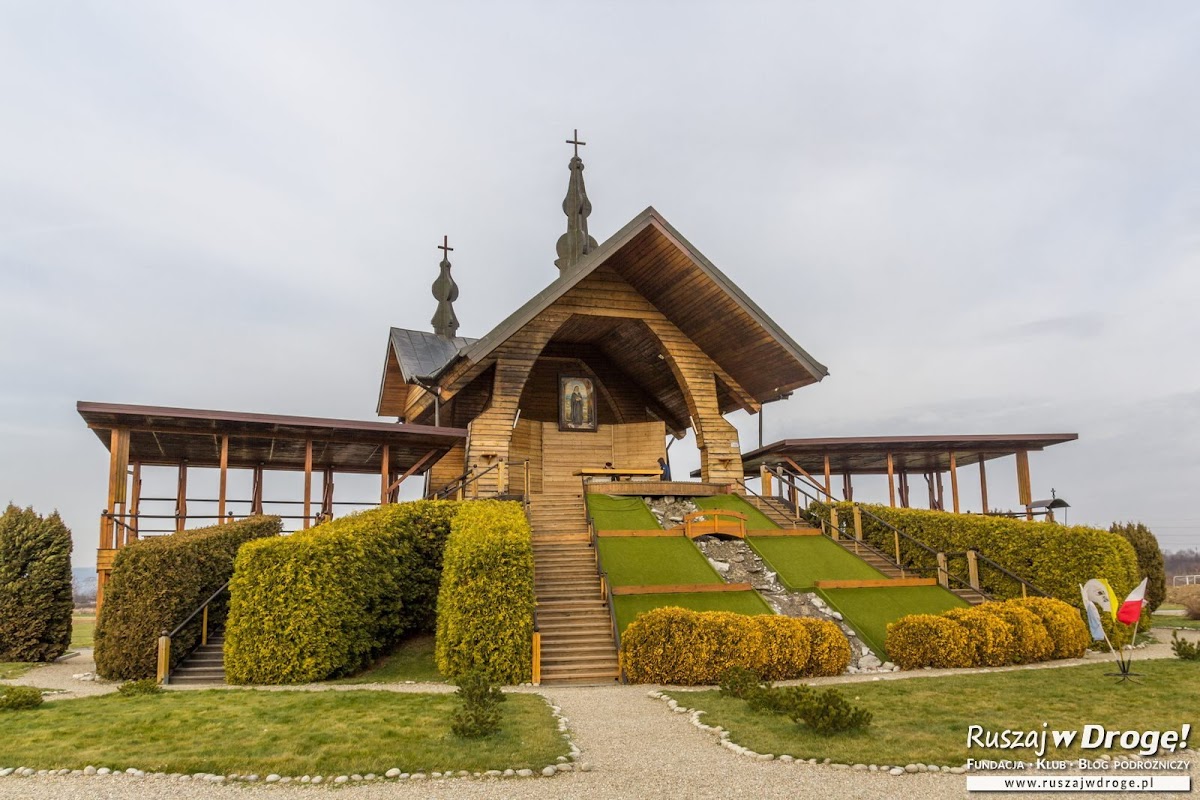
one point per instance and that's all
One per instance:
(525, 773)
(548, 771)
(563, 767)
(911, 768)
(896, 771)
(103, 771)
(341, 779)
(392, 773)
(272, 778)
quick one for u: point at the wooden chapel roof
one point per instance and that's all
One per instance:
(666, 269)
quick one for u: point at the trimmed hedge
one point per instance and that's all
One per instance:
(989, 635)
(156, 583)
(1149, 559)
(35, 586)
(486, 602)
(678, 646)
(1055, 558)
(322, 603)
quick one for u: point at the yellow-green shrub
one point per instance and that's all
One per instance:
(486, 602)
(157, 582)
(989, 637)
(1054, 558)
(928, 640)
(323, 602)
(1063, 623)
(830, 649)
(1030, 641)
(679, 646)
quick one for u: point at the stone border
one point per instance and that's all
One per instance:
(567, 763)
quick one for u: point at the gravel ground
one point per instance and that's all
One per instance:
(636, 746)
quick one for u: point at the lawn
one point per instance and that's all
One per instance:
(654, 561)
(755, 519)
(411, 660)
(869, 611)
(630, 605)
(14, 669)
(82, 628)
(1172, 621)
(801, 560)
(924, 720)
(289, 733)
(610, 513)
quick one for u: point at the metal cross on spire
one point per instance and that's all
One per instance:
(445, 291)
(445, 246)
(575, 141)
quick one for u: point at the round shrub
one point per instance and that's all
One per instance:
(1063, 622)
(989, 637)
(140, 687)
(1030, 641)
(829, 652)
(19, 698)
(927, 640)
(678, 646)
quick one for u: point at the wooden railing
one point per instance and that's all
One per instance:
(163, 672)
(605, 587)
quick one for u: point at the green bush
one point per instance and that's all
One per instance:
(828, 713)
(486, 602)
(989, 637)
(140, 687)
(679, 646)
(928, 640)
(35, 586)
(1149, 559)
(1030, 641)
(19, 698)
(1184, 649)
(1063, 622)
(156, 583)
(322, 603)
(739, 682)
(1055, 558)
(479, 714)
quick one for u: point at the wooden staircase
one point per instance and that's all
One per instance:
(573, 618)
(205, 665)
(781, 514)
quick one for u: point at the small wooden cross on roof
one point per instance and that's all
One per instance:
(575, 141)
(445, 247)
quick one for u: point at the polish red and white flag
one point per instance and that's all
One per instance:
(1131, 610)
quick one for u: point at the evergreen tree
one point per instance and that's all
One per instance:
(35, 586)
(1150, 560)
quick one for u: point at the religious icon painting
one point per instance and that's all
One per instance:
(576, 403)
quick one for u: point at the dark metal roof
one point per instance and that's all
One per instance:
(421, 354)
(173, 435)
(868, 454)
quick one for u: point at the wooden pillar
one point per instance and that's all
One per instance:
(891, 472)
(181, 497)
(943, 574)
(904, 495)
(256, 493)
(847, 487)
(932, 494)
(858, 532)
(764, 476)
(983, 485)
(111, 533)
(1024, 491)
(954, 483)
(973, 569)
(135, 502)
(385, 476)
(941, 492)
(327, 494)
(828, 481)
(307, 481)
(223, 480)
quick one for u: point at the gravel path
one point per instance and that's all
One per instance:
(636, 746)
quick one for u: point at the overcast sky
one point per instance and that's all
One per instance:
(983, 218)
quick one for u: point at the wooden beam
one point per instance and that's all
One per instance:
(223, 479)
(891, 473)
(327, 494)
(954, 483)
(983, 485)
(385, 475)
(828, 479)
(256, 492)
(181, 497)
(395, 486)
(308, 459)
(847, 487)
(1024, 490)
(816, 484)
(135, 502)
(904, 494)
(681, 588)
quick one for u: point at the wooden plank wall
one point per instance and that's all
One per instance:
(447, 468)
(639, 444)
(565, 452)
(526, 443)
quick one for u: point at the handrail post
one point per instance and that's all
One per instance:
(943, 572)
(973, 569)
(162, 674)
(204, 626)
(833, 523)
(537, 658)
(858, 533)
(896, 542)
(764, 475)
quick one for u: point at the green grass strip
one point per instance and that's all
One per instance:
(630, 605)
(802, 560)
(611, 513)
(288, 733)
(410, 660)
(654, 561)
(924, 720)
(755, 519)
(868, 611)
